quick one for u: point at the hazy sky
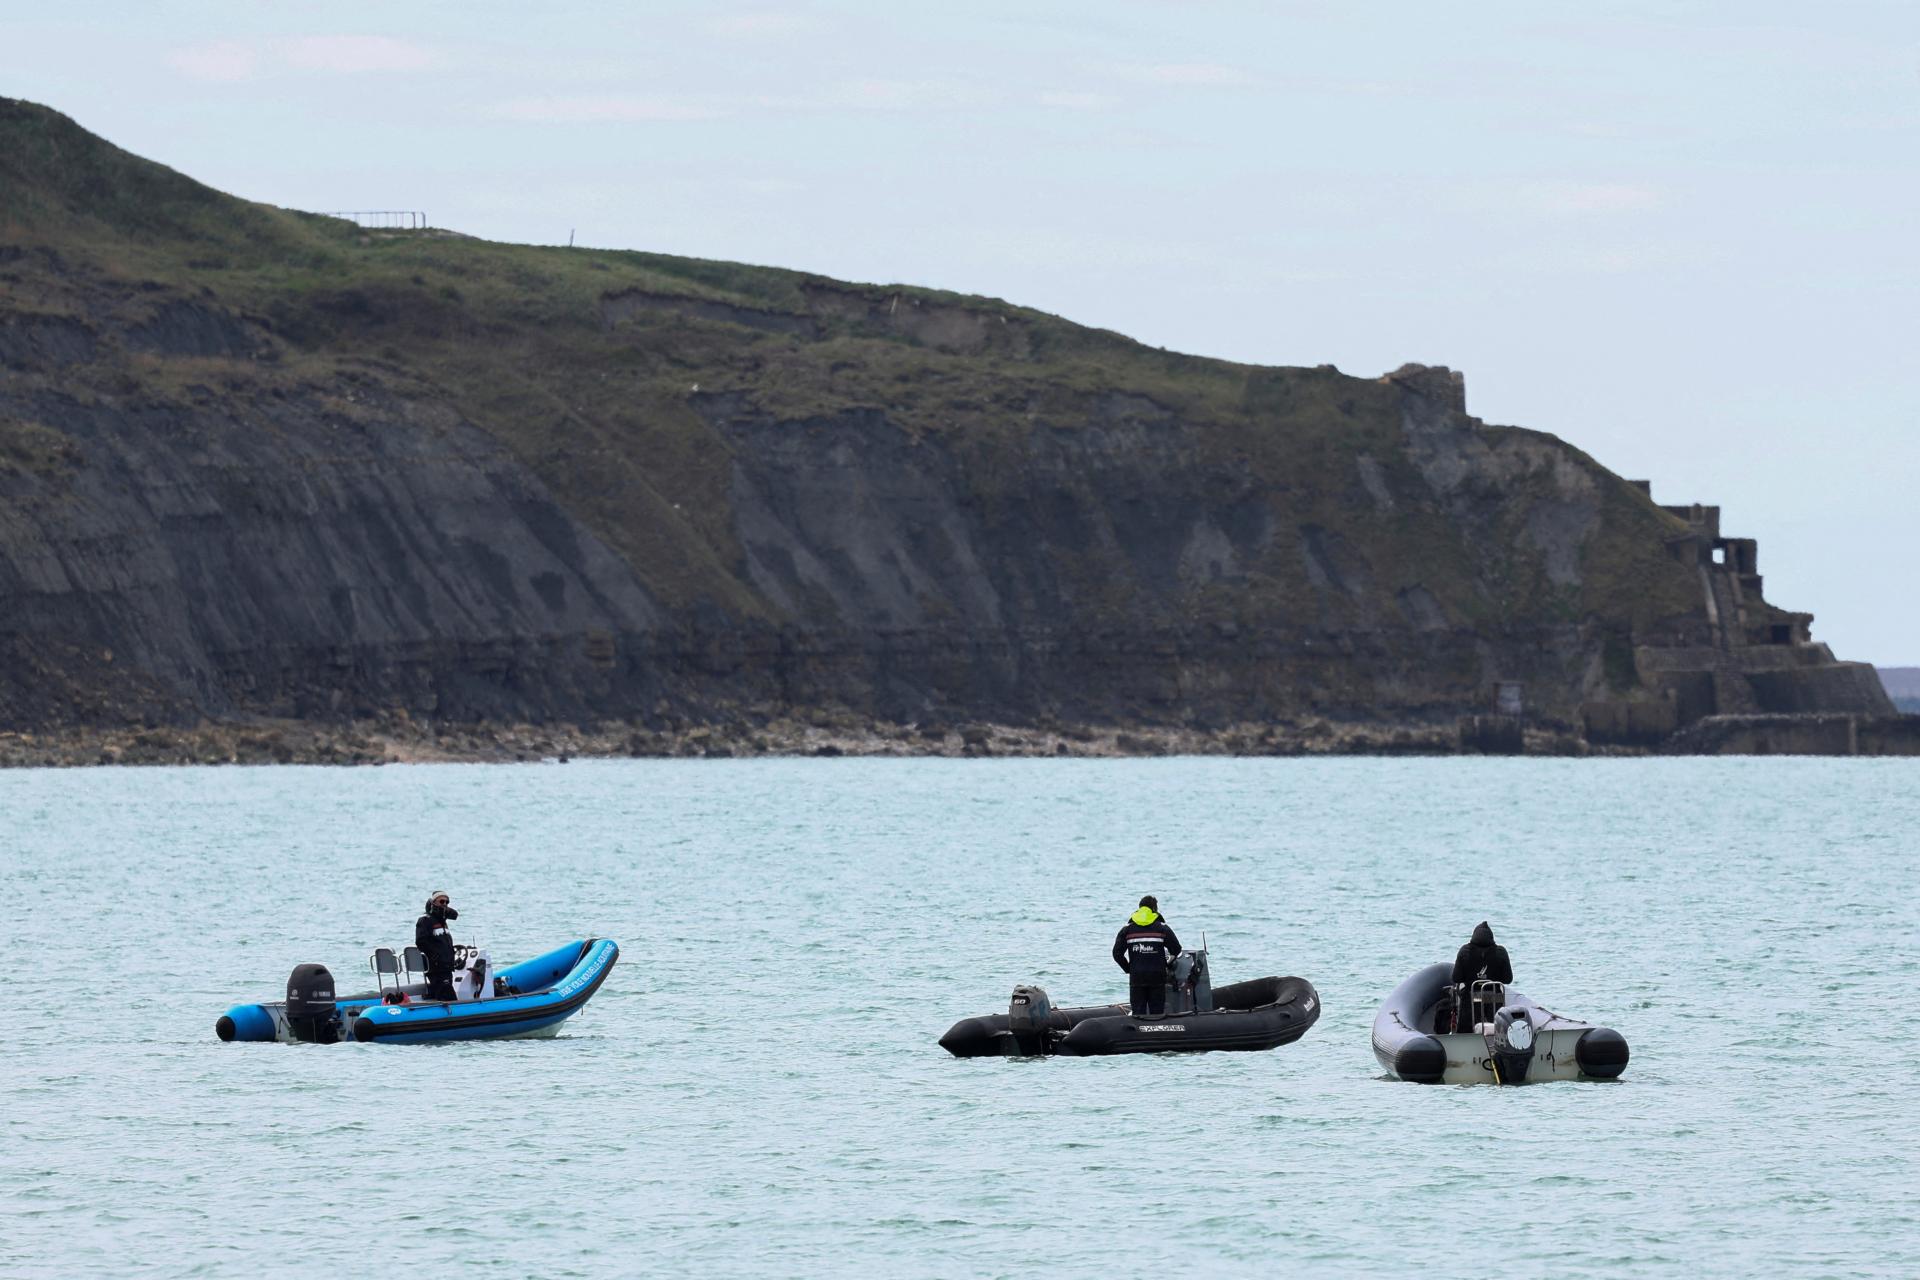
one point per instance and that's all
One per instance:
(1682, 236)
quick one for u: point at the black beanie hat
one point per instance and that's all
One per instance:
(1150, 901)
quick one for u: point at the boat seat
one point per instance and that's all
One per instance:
(415, 960)
(385, 966)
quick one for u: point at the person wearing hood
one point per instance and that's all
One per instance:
(436, 944)
(1144, 947)
(1482, 958)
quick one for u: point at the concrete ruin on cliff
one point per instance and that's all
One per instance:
(1748, 659)
(1738, 657)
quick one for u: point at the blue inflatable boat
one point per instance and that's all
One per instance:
(524, 1000)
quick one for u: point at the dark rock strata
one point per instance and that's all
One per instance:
(297, 558)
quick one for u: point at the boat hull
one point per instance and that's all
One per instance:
(1279, 1011)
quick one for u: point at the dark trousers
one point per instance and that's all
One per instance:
(1147, 994)
(440, 984)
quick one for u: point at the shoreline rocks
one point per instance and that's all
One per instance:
(399, 739)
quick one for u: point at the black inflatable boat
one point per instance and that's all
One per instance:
(1264, 1013)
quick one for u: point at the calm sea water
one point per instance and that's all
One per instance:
(757, 1089)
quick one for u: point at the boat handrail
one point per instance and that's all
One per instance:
(1485, 996)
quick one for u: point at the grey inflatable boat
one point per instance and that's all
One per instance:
(1497, 1036)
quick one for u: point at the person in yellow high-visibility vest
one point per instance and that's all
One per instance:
(1144, 947)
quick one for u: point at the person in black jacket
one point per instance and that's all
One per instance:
(436, 944)
(1144, 947)
(1480, 958)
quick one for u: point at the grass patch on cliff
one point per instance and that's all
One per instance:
(29, 448)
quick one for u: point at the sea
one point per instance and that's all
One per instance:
(758, 1088)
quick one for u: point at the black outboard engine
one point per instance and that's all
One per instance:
(1030, 1018)
(310, 1010)
(1510, 1045)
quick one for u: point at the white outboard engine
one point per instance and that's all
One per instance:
(1029, 1018)
(310, 1007)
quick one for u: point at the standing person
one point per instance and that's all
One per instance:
(1480, 958)
(1143, 947)
(436, 944)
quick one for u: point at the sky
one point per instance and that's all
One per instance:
(1681, 236)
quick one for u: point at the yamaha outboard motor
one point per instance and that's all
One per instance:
(1029, 1018)
(310, 1011)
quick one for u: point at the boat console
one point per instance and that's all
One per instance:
(1190, 983)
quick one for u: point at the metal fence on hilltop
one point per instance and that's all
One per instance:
(380, 219)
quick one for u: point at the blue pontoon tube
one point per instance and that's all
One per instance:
(524, 1000)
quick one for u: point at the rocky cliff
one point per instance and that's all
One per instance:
(261, 463)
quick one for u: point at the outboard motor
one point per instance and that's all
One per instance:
(1030, 1018)
(1510, 1044)
(310, 1009)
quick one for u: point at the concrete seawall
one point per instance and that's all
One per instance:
(1798, 735)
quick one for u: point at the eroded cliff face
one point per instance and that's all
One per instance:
(341, 549)
(312, 555)
(1117, 563)
(254, 463)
